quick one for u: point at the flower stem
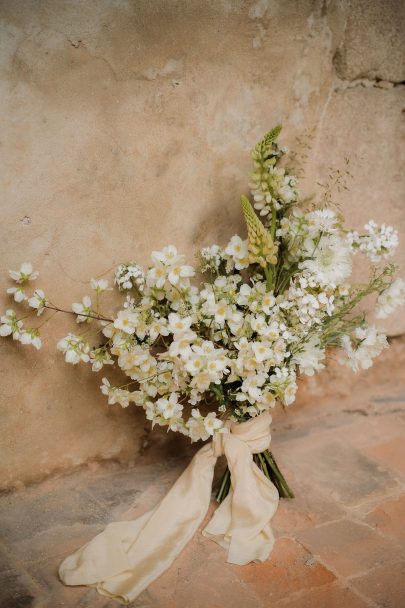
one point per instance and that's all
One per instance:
(224, 487)
(70, 312)
(266, 463)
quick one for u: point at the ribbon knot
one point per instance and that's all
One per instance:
(255, 433)
(127, 556)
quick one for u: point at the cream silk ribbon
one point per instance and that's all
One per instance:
(127, 556)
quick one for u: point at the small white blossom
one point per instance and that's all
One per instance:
(115, 394)
(38, 301)
(309, 357)
(237, 250)
(390, 299)
(378, 244)
(10, 325)
(31, 336)
(75, 349)
(360, 350)
(18, 293)
(25, 274)
(99, 285)
(83, 310)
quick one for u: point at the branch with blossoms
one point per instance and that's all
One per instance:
(268, 310)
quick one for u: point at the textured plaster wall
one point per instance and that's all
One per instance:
(126, 125)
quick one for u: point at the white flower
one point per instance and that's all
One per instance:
(168, 256)
(379, 243)
(212, 424)
(38, 301)
(169, 407)
(83, 309)
(322, 220)
(390, 299)
(25, 273)
(262, 350)
(129, 275)
(329, 261)
(75, 349)
(368, 344)
(268, 302)
(115, 394)
(196, 427)
(156, 276)
(266, 401)
(10, 325)
(180, 272)
(211, 258)
(31, 336)
(100, 357)
(251, 386)
(158, 327)
(177, 324)
(220, 311)
(237, 249)
(195, 364)
(181, 345)
(18, 293)
(99, 285)
(309, 357)
(289, 393)
(126, 321)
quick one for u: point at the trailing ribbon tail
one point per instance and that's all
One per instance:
(127, 556)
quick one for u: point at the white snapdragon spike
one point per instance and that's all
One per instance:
(83, 310)
(115, 394)
(361, 348)
(309, 357)
(10, 325)
(38, 301)
(25, 274)
(74, 348)
(31, 336)
(380, 243)
(99, 285)
(18, 293)
(390, 299)
(237, 250)
(329, 261)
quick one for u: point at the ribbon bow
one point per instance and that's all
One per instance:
(127, 556)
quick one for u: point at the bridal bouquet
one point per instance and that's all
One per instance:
(230, 346)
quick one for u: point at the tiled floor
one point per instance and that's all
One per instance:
(340, 542)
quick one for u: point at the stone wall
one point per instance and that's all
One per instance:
(127, 125)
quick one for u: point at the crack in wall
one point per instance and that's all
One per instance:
(367, 83)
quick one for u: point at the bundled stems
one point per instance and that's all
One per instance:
(267, 464)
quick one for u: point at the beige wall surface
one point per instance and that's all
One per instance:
(127, 125)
